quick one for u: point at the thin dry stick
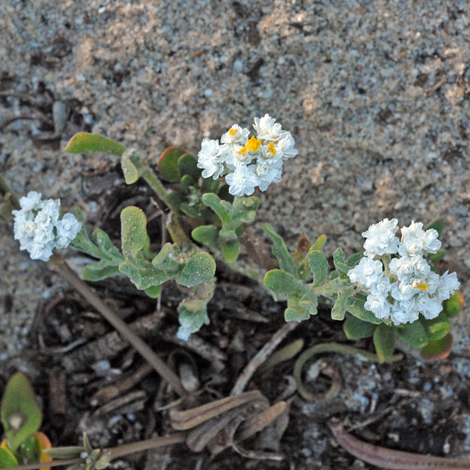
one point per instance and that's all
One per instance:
(261, 356)
(163, 370)
(392, 459)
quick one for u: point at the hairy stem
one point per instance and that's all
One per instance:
(72, 278)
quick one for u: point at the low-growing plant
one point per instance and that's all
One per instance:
(392, 292)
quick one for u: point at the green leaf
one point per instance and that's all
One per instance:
(384, 342)
(168, 259)
(438, 349)
(144, 278)
(414, 334)
(28, 450)
(453, 305)
(318, 265)
(20, 411)
(131, 173)
(436, 328)
(7, 459)
(339, 308)
(85, 142)
(133, 231)
(356, 308)
(282, 284)
(199, 269)
(354, 328)
(210, 185)
(309, 301)
(339, 260)
(440, 255)
(186, 182)
(296, 314)
(154, 291)
(230, 250)
(207, 234)
(190, 321)
(187, 165)
(286, 263)
(105, 244)
(319, 243)
(168, 164)
(217, 205)
(354, 259)
(436, 224)
(101, 270)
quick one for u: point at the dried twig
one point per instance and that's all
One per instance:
(391, 459)
(261, 356)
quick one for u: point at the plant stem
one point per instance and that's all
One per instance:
(72, 278)
(177, 233)
(330, 347)
(121, 451)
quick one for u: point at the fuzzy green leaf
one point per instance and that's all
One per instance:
(131, 174)
(354, 259)
(230, 250)
(309, 301)
(199, 269)
(20, 411)
(339, 308)
(186, 182)
(206, 234)
(85, 142)
(286, 263)
(438, 349)
(105, 244)
(101, 270)
(384, 342)
(210, 185)
(187, 165)
(296, 314)
(144, 278)
(414, 334)
(354, 328)
(318, 265)
(438, 327)
(168, 164)
(154, 291)
(133, 231)
(191, 321)
(356, 308)
(454, 304)
(282, 284)
(167, 260)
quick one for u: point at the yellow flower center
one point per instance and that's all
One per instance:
(253, 144)
(271, 148)
(420, 285)
(232, 132)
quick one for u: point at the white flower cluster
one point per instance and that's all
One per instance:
(402, 287)
(248, 163)
(40, 228)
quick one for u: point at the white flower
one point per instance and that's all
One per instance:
(39, 227)
(367, 273)
(248, 162)
(286, 146)
(267, 128)
(208, 159)
(242, 181)
(381, 239)
(404, 287)
(67, 229)
(235, 135)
